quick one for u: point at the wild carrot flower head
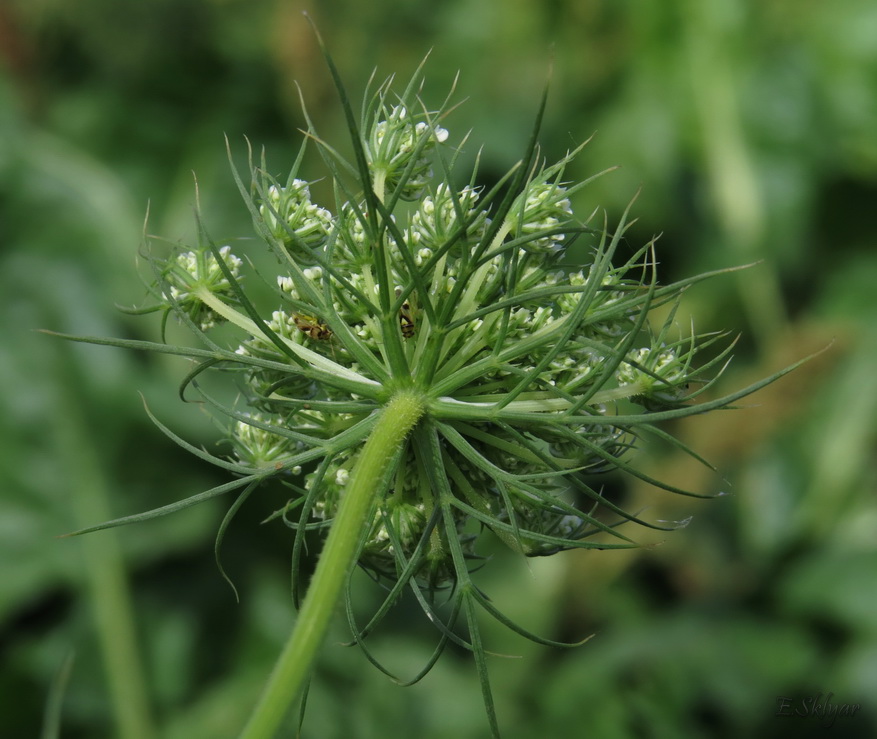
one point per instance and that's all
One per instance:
(527, 374)
(536, 374)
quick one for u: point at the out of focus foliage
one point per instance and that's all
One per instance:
(751, 130)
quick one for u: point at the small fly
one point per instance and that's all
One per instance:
(312, 328)
(406, 321)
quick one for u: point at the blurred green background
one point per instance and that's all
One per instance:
(750, 129)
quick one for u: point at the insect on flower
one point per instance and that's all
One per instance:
(406, 320)
(406, 317)
(312, 327)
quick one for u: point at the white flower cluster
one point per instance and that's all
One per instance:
(191, 271)
(405, 514)
(258, 447)
(657, 372)
(291, 217)
(604, 319)
(543, 207)
(453, 224)
(436, 220)
(393, 143)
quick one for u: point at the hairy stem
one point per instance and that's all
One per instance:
(336, 562)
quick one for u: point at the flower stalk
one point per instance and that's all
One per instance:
(339, 555)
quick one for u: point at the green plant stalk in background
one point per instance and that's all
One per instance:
(105, 573)
(436, 368)
(730, 165)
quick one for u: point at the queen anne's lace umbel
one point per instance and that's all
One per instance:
(466, 296)
(439, 360)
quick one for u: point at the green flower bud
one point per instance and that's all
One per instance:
(293, 219)
(657, 373)
(258, 447)
(190, 272)
(397, 143)
(541, 209)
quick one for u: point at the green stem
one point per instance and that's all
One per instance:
(104, 571)
(379, 182)
(336, 562)
(730, 163)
